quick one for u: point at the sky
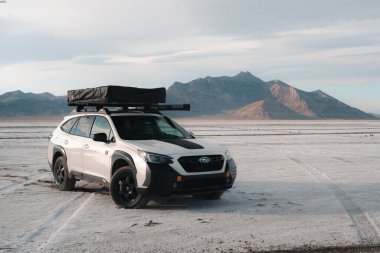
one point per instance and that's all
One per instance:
(54, 46)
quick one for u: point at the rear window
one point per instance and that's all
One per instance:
(66, 127)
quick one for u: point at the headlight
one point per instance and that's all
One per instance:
(228, 155)
(155, 158)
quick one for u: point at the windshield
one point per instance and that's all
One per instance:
(148, 128)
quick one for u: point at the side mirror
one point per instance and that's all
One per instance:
(192, 134)
(102, 137)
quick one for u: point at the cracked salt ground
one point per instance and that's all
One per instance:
(313, 190)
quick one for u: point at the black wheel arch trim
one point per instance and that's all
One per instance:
(118, 156)
(57, 149)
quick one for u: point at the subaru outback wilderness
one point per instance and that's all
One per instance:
(137, 153)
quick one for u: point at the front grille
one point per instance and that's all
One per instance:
(192, 163)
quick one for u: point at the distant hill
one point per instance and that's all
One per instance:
(216, 95)
(18, 103)
(243, 96)
(248, 97)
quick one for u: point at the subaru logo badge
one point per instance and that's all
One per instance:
(204, 160)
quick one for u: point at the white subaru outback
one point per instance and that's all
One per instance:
(137, 155)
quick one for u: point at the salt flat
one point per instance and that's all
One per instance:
(300, 184)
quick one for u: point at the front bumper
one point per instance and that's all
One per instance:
(163, 180)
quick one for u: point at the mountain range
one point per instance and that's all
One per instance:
(20, 104)
(243, 96)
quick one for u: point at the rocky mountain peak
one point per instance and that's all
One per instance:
(244, 74)
(321, 93)
(247, 76)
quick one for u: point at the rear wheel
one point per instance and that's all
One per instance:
(62, 177)
(209, 196)
(123, 190)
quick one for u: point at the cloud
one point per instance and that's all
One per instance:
(339, 29)
(92, 60)
(57, 45)
(95, 19)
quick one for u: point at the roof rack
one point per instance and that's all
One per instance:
(123, 108)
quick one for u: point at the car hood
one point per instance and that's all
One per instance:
(178, 147)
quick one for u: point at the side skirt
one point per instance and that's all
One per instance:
(89, 178)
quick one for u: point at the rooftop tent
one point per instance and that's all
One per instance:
(115, 96)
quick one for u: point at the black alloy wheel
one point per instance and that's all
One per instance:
(61, 175)
(123, 189)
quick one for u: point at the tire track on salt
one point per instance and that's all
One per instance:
(16, 185)
(366, 227)
(53, 235)
(32, 236)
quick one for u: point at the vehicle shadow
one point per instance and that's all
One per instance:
(279, 198)
(88, 187)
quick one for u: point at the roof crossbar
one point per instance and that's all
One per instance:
(155, 108)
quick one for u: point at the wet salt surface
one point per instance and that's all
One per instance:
(301, 184)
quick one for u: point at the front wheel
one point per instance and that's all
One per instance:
(123, 189)
(209, 196)
(62, 178)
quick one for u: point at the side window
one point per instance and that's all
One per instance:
(66, 127)
(84, 126)
(72, 131)
(101, 125)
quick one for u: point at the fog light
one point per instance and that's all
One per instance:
(175, 185)
(228, 180)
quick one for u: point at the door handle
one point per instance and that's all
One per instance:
(85, 146)
(66, 142)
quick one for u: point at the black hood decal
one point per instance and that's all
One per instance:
(183, 143)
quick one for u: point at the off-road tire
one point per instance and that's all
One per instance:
(209, 196)
(62, 178)
(123, 190)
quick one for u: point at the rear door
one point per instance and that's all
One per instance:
(76, 142)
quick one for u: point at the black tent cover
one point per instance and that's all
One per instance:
(115, 95)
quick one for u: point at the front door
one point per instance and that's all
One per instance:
(97, 154)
